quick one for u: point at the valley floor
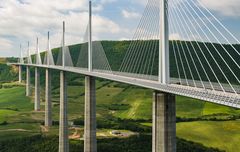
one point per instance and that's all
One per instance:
(119, 107)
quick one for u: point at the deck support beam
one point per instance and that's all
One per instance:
(164, 123)
(63, 122)
(90, 141)
(48, 100)
(37, 89)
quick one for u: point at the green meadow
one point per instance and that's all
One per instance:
(124, 102)
(224, 135)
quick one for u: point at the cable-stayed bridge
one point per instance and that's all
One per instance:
(178, 48)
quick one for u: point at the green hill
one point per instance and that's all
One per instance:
(116, 51)
(119, 106)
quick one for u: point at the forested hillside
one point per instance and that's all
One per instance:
(116, 51)
(200, 125)
(7, 73)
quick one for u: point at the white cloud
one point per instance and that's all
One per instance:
(141, 2)
(6, 46)
(102, 25)
(130, 14)
(5, 43)
(223, 7)
(175, 36)
(107, 1)
(22, 22)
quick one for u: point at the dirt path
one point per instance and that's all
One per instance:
(76, 135)
(44, 129)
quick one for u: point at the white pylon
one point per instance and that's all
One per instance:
(38, 57)
(90, 38)
(63, 46)
(29, 54)
(164, 72)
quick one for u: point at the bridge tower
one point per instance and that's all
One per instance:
(28, 84)
(48, 90)
(37, 80)
(20, 67)
(90, 141)
(164, 122)
(63, 122)
(164, 44)
(164, 110)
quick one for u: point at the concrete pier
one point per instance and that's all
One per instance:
(63, 122)
(37, 90)
(48, 100)
(20, 74)
(28, 83)
(164, 123)
(90, 141)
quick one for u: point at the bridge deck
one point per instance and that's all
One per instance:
(219, 97)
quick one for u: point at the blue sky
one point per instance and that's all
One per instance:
(24, 20)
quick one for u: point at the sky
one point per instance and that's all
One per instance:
(24, 20)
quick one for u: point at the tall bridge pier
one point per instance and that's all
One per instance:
(63, 119)
(37, 80)
(90, 141)
(28, 73)
(37, 89)
(48, 100)
(19, 66)
(63, 122)
(20, 74)
(48, 90)
(28, 83)
(163, 122)
(164, 105)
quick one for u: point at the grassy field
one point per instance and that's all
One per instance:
(13, 104)
(140, 102)
(121, 102)
(4, 114)
(192, 108)
(14, 109)
(2, 60)
(223, 135)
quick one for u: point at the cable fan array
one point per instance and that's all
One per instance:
(29, 58)
(141, 59)
(48, 59)
(99, 59)
(82, 61)
(203, 54)
(67, 56)
(38, 59)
